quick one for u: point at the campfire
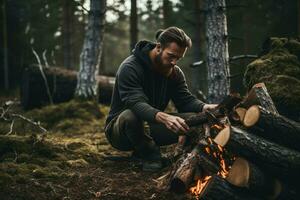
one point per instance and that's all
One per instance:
(251, 152)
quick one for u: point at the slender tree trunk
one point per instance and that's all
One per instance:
(90, 57)
(5, 49)
(217, 51)
(197, 43)
(166, 13)
(67, 31)
(298, 5)
(133, 25)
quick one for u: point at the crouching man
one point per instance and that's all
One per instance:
(145, 82)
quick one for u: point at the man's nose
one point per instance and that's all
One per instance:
(173, 61)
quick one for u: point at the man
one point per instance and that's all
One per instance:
(145, 82)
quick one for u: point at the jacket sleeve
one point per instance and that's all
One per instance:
(132, 94)
(183, 99)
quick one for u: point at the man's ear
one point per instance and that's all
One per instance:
(158, 47)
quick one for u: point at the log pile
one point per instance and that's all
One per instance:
(61, 83)
(252, 154)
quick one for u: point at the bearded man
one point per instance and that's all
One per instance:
(145, 83)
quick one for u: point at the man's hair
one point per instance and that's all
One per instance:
(173, 34)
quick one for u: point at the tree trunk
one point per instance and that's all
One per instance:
(67, 31)
(217, 51)
(90, 56)
(62, 85)
(198, 73)
(5, 49)
(278, 160)
(273, 127)
(133, 25)
(167, 9)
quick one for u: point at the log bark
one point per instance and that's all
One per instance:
(273, 127)
(221, 110)
(62, 84)
(280, 161)
(247, 175)
(219, 189)
(259, 95)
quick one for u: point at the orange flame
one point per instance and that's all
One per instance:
(216, 126)
(196, 190)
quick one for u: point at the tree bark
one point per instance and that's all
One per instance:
(67, 31)
(167, 9)
(278, 160)
(133, 25)
(258, 95)
(276, 128)
(91, 52)
(217, 51)
(5, 49)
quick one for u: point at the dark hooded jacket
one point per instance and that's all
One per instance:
(145, 92)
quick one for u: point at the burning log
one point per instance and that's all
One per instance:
(184, 175)
(274, 127)
(276, 159)
(259, 95)
(218, 188)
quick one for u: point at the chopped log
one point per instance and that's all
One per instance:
(240, 113)
(274, 127)
(62, 84)
(184, 175)
(259, 95)
(247, 175)
(274, 158)
(218, 188)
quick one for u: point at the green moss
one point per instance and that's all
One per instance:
(279, 68)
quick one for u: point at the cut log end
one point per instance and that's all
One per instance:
(241, 113)
(223, 136)
(251, 116)
(239, 173)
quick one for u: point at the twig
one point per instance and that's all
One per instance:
(11, 127)
(43, 75)
(81, 5)
(233, 58)
(38, 124)
(45, 58)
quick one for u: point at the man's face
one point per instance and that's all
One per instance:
(167, 57)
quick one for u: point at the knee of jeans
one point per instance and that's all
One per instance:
(129, 118)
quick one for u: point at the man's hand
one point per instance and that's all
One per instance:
(209, 107)
(173, 123)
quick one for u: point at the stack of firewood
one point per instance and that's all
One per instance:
(252, 152)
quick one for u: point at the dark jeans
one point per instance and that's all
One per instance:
(127, 132)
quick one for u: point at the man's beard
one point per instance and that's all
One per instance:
(160, 66)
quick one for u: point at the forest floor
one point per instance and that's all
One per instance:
(72, 161)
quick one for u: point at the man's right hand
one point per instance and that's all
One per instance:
(173, 123)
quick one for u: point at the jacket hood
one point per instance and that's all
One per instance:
(141, 51)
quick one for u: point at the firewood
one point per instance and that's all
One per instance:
(274, 158)
(218, 188)
(241, 113)
(259, 95)
(273, 127)
(221, 110)
(184, 175)
(247, 175)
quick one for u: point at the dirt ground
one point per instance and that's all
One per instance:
(73, 161)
